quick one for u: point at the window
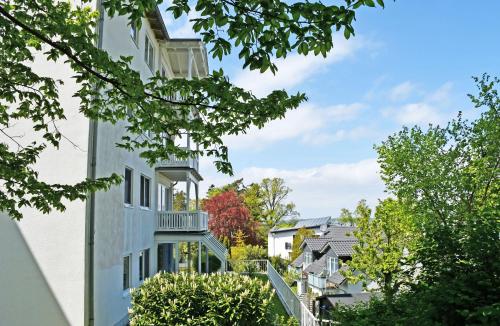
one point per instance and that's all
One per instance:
(288, 246)
(332, 264)
(133, 33)
(126, 272)
(307, 258)
(149, 54)
(143, 264)
(128, 187)
(163, 72)
(145, 192)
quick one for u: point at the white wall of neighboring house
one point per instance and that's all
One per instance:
(277, 242)
(42, 257)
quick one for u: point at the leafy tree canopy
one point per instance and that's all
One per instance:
(385, 249)
(361, 212)
(229, 217)
(110, 91)
(301, 234)
(447, 177)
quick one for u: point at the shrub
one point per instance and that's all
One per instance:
(279, 264)
(290, 277)
(248, 252)
(201, 299)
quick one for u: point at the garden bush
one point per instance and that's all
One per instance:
(201, 299)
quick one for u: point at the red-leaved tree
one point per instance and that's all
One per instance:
(228, 214)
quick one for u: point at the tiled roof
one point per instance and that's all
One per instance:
(305, 223)
(298, 261)
(337, 278)
(340, 232)
(342, 248)
(315, 244)
(310, 222)
(349, 299)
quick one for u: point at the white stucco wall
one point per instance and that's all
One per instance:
(121, 230)
(50, 265)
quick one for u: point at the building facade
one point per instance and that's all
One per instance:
(77, 267)
(280, 239)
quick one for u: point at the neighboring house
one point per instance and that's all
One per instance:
(320, 261)
(76, 267)
(280, 239)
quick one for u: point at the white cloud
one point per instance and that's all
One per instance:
(323, 138)
(401, 91)
(418, 113)
(317, 191)
(307, 124)
(296, 68)
(185, 29)
(431, 109)
(441, 95)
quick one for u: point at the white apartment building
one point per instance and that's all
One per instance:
(77, 267)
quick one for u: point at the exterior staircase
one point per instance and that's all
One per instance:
(215, 245)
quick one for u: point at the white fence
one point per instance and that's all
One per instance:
(288, 298)
(182, 221)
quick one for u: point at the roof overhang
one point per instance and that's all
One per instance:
(157, 25)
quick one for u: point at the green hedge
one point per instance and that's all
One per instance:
(201, 299)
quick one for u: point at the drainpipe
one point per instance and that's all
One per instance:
(90, 209)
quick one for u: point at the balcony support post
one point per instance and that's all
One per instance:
(196, 191)
(199, 257)
(188, 188)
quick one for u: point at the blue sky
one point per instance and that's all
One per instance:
(409, 63)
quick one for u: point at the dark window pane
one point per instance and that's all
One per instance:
(147, 192)
(126, 272)
(141, 266)
(142, 190)
(146, 263)
(128, 186)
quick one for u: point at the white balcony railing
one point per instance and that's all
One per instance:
(175, 162)
(316, 281)
(181, 221)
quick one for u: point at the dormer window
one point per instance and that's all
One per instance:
(332, 265)
(307, 258)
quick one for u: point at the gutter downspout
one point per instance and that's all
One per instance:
(90, 209)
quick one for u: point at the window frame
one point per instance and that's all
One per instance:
(144, 259)
(149, 53)
(145, 201)
(332, 265)
(134, 34)
(126, 277)
(131, 186)
(307, 258)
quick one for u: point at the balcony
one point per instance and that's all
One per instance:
(177, 163)
(316, 281)
(181, 221)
